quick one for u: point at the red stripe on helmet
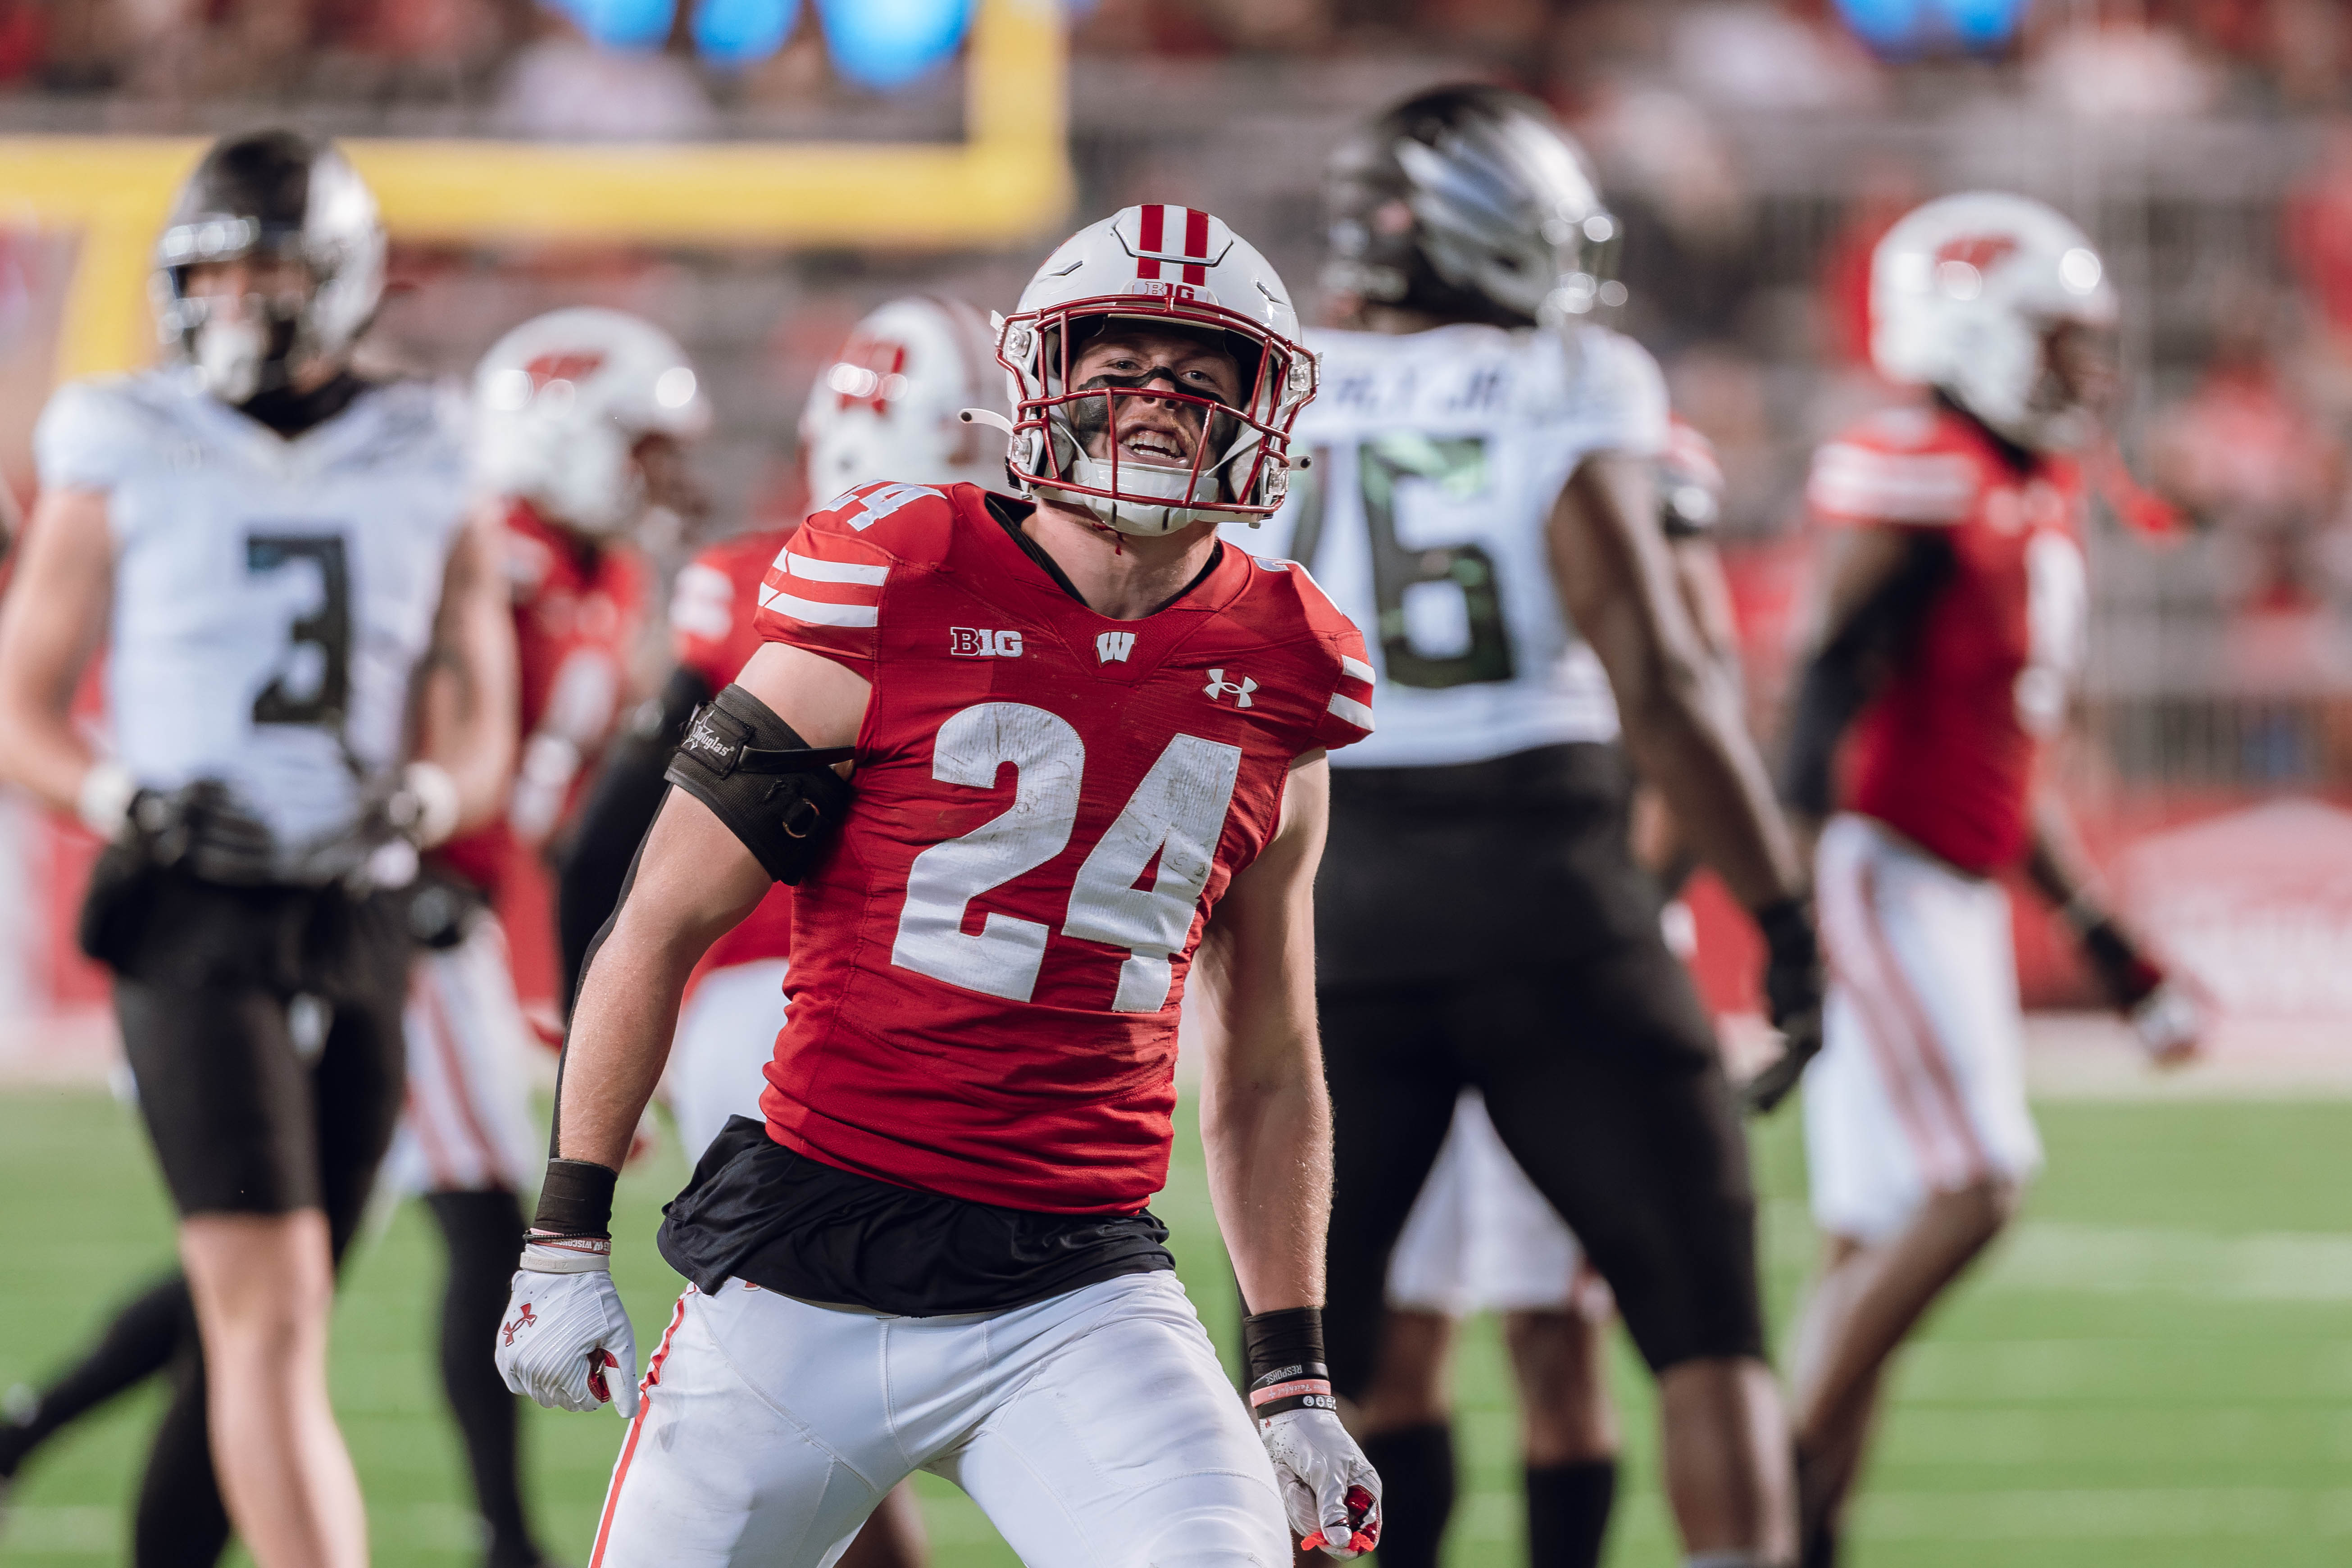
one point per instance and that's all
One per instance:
(1196, 243)
(1155, 227)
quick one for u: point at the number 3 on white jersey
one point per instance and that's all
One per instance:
(1178, 812)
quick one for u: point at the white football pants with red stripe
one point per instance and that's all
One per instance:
(726, 1037)
(1095, 1428)
(1920, 1087)
(467, 1123)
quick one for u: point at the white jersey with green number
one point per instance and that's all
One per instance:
(272, 598)
(1437, 457)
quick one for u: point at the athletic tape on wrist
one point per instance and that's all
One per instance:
(566, 1254)
(1286, 1368)
(575, 1199)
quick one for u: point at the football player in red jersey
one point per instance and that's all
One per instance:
(1089, 743)
(1953, 622)
(887, 405)
(580, 416)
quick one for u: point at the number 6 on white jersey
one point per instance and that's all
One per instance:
(1177, 812)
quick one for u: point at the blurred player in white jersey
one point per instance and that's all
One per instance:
(580, 420)
(1482, 504)
(888, 406)
(276, 557)
(1480, 1237)
(1953, 622)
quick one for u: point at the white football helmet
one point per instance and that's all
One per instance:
(887, 407)
(561, 402)
(1962, 291)
(1173, 267)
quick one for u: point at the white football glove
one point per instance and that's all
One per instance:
(1330, 1490)
(566, 1339)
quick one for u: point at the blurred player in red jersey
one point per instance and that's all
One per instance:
(581, 417)
(1952, 624)
(888, 405)
(1089, 742)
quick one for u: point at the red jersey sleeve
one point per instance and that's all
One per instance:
(714, 600)
(1895, 468)
(824, 592)
(1347, 716)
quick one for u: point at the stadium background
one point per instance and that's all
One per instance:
(2154, 1368)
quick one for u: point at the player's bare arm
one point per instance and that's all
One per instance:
(467, 695)
(1266, 1117)
(2165, 1015)
(50, 626)
(694, 880)
(1616, 578)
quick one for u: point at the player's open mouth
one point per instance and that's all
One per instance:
(1152, 447)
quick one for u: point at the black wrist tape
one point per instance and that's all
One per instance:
(576, 1199)
(1287, 1370)
(1787, 925)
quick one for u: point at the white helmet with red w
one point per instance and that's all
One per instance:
(1174, 270)
(562, 403)
(887, 407)
(1964, 293)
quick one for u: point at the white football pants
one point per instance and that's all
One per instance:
(466, 1123)
(1920, 1087)
(1480, 1238)
(726, 1037)
(1096, 1430)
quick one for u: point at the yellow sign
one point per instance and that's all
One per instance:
(1008, 179)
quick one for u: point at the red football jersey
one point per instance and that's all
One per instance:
(988, 965)
(1945, 753)
(578, 613)
(710, 622)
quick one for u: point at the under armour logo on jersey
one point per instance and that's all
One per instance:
(1218, 686)
(1110, 645)
(523, 1320)
(971, 642)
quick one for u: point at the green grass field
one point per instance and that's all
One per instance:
(2155, 1369)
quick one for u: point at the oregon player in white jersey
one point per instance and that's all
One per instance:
(309, 677)
(1481, 501)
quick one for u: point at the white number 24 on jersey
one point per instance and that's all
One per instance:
(1178, 812)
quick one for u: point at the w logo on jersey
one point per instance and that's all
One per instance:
(1219, 686)
(1111, 646)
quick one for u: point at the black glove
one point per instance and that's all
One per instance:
(2124, 973)
(1793, 984)
(201, 830)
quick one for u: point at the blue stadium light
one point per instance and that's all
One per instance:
(887, 43)
(743, 32)
(1896, 28)
(622, 23)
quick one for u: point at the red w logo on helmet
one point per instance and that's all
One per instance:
(1982, 251)
(871, 371)
(561, 366)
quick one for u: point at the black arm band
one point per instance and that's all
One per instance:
(772, 790)
(576, 1199)
(1287, 1369)
(1832, 692)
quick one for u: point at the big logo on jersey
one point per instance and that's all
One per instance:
(1176, 815)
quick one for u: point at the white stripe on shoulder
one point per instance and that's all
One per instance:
(1353, 712)
(833, 571)
(1357, 668)
(822, 615)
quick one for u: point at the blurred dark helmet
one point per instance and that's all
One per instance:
(1468, 202)
(280, 197)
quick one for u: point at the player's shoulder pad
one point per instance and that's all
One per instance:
(1906, 465)
(901, 524)
(97, 432)
(1602, 382)
(1295, 610)
(419, 422)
